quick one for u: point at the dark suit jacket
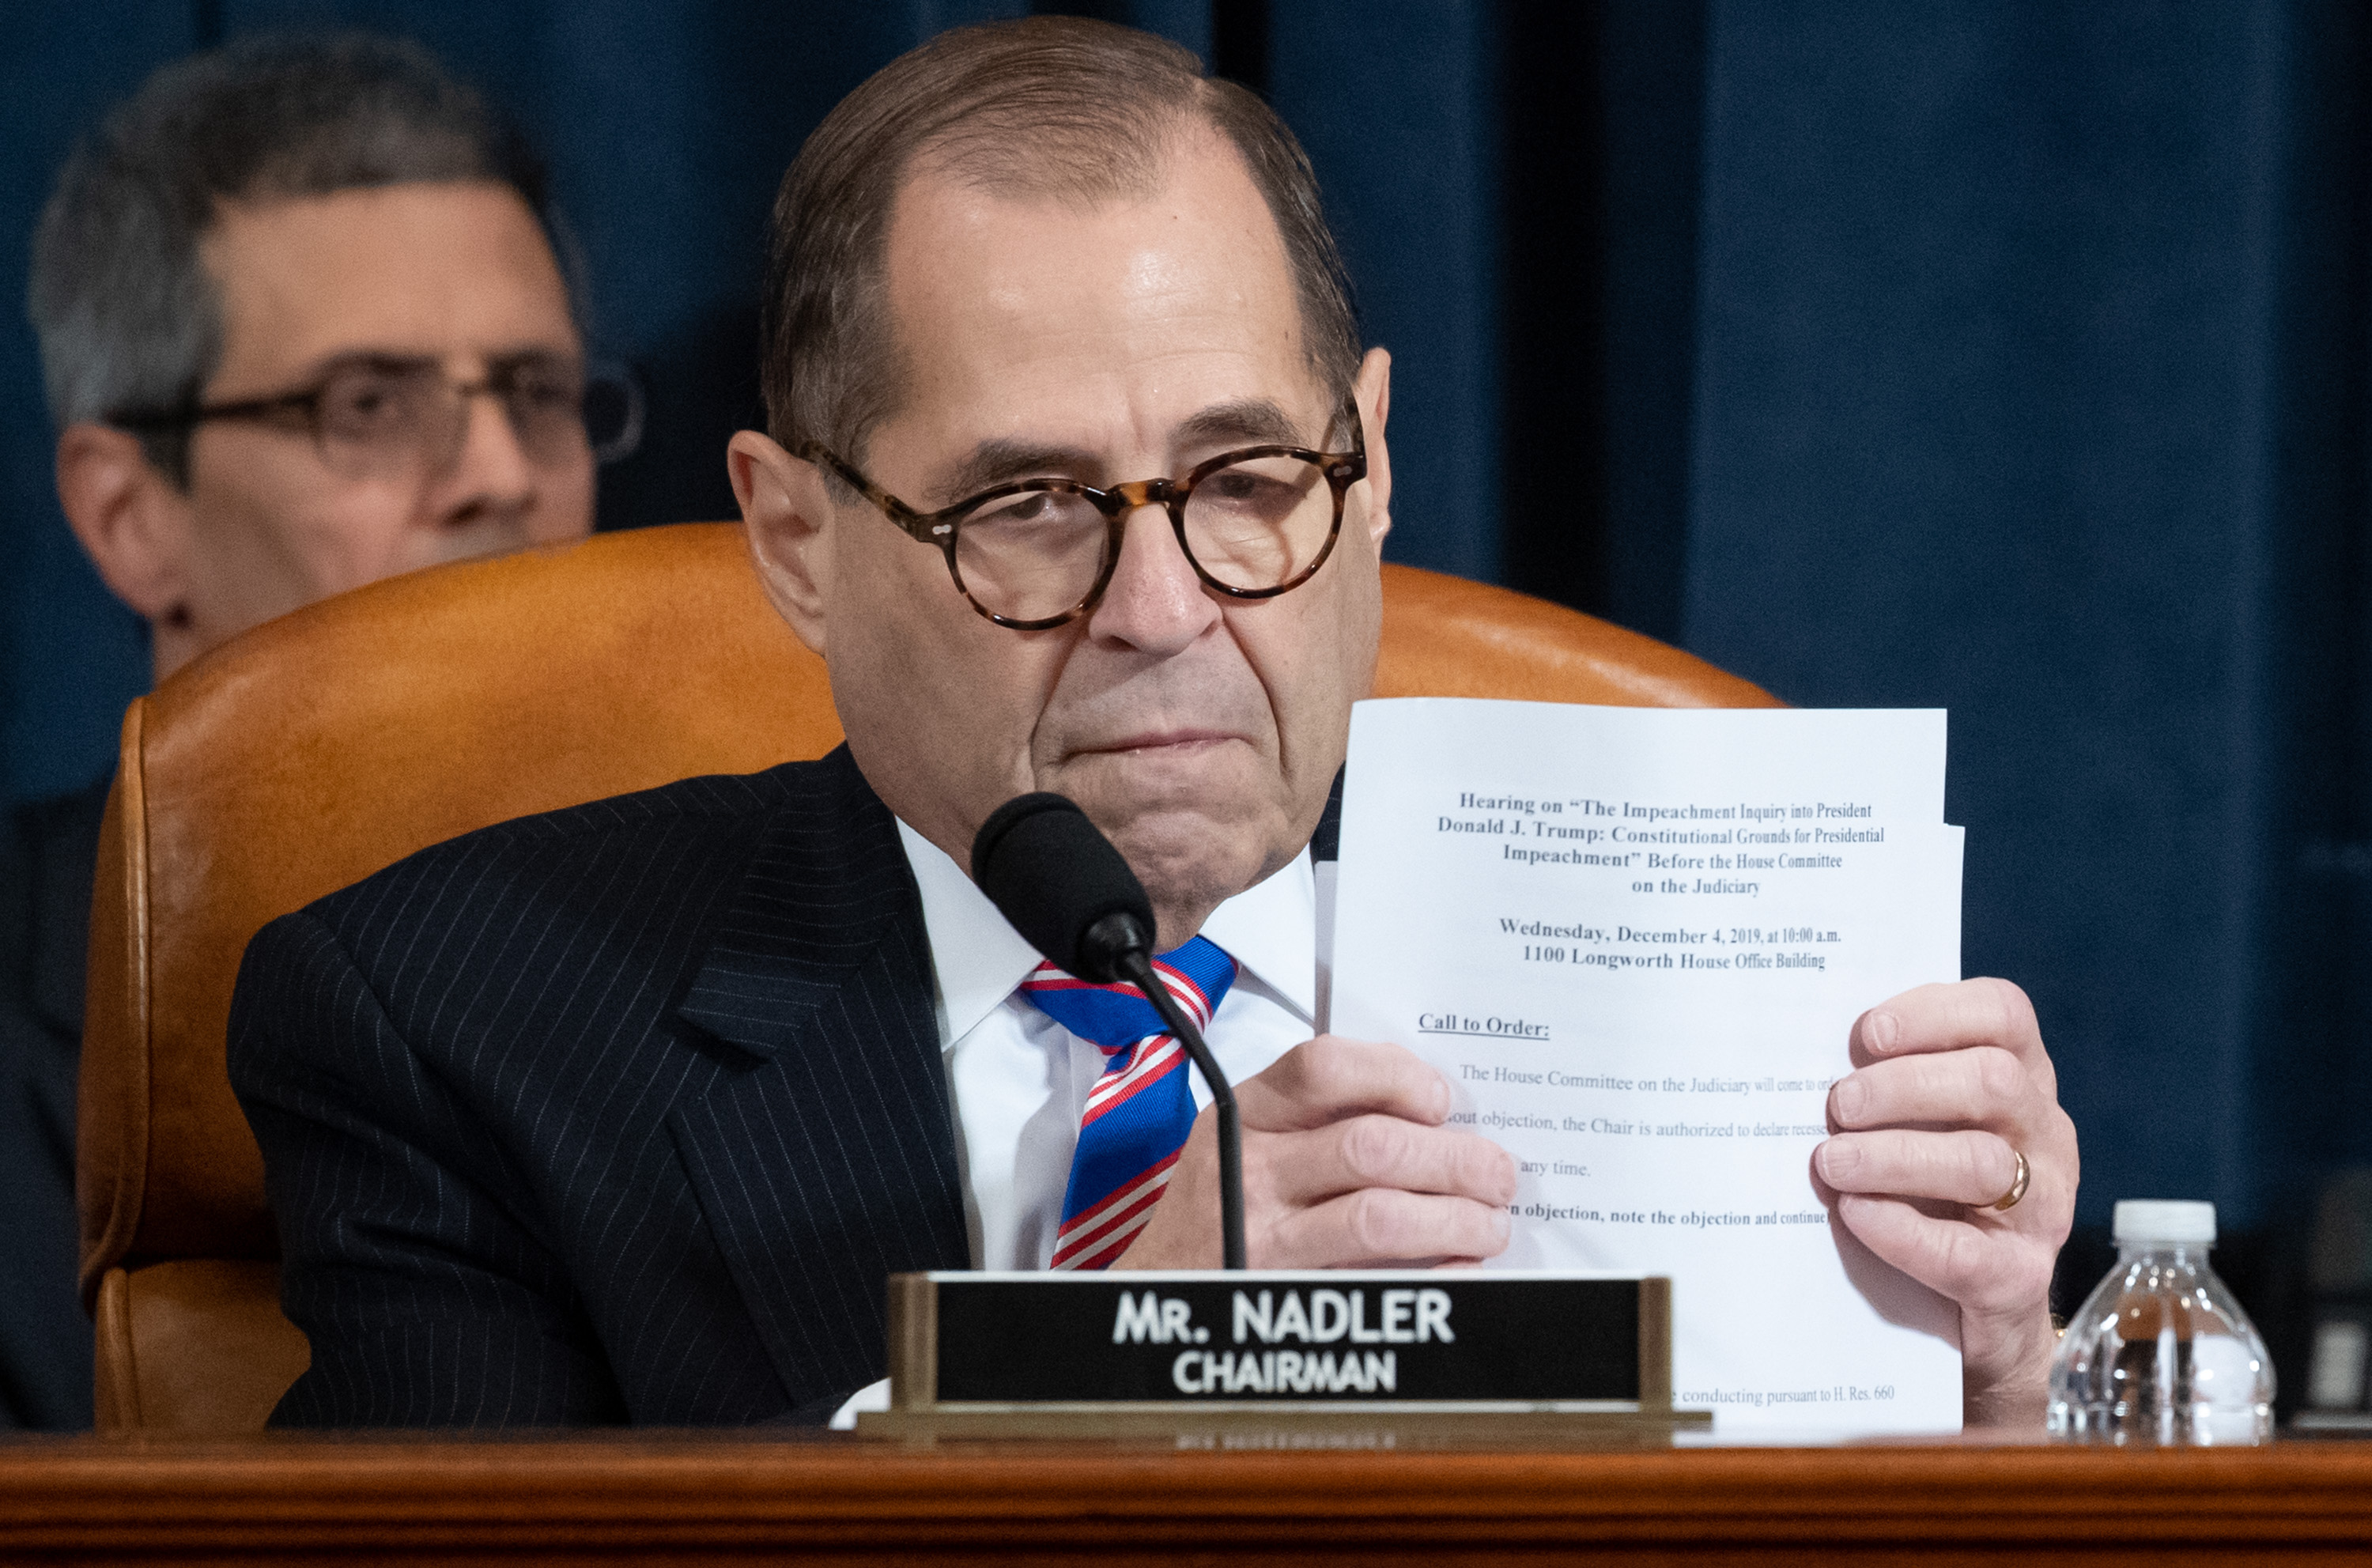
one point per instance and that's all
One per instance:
(48, 850)
(621, 1113)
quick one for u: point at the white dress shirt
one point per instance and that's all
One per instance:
(1020, 1080)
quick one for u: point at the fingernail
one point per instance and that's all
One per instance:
(1838, 1160)
(1849, 1097)
(1884, 1030)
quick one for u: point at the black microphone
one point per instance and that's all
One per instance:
(1059, 881)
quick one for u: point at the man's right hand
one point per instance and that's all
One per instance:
(1346, 1165)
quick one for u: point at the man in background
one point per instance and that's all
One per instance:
(302, 328)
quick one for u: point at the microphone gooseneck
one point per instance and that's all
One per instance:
(1137, 965)
(1060, 884)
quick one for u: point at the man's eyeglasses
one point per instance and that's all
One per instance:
(385, 416)
(1254, 523)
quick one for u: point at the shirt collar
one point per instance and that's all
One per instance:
(1271, 929)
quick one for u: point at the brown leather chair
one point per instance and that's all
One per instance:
(316, 750)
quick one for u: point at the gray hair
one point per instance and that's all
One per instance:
(126, 314)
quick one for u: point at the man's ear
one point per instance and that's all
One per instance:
(786, 511)
(133, 521)
(1373, 393)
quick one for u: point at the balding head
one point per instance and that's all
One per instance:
(1058, 107)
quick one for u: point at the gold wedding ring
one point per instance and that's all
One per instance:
(2017, 1189)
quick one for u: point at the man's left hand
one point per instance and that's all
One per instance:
(1950, 1086)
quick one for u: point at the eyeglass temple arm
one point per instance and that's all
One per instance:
(928, 527)
(193, 414)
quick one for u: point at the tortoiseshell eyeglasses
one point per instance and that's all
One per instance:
(1254, 523)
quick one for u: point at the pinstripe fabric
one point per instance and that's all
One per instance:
(621, 1113)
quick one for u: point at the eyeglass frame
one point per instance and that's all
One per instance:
(943, 526)
(306, 401)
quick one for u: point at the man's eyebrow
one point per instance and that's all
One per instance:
(399, 361)
(1246, 422)
(998, 461)
(382, 359)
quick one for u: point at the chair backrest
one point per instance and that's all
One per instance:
(314, 751)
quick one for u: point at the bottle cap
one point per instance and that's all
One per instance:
(2165, 1220)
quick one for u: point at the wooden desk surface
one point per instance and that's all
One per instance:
(696, 1498)
(688, 1498)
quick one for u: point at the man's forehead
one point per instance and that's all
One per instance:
(1203, 205)
(1026, 317)
(417, 269)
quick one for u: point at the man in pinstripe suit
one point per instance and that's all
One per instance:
(624, 1113)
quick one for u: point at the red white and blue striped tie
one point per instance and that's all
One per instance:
(1141, 1108)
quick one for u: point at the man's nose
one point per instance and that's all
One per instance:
(488, 475)
(1155, 602)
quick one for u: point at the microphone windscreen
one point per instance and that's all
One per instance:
(1053, 874)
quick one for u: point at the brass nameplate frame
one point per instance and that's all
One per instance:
(1449, 1353)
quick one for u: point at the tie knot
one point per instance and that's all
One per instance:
(1116, 1016)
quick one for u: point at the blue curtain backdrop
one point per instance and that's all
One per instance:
(2009, 359)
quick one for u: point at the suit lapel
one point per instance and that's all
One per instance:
(827, 1162)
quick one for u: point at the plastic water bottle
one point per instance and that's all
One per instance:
(2161, 1353)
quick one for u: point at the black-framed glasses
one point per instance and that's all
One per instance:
(381, 416)
(1254, 523)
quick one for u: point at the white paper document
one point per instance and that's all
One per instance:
(1635, 940)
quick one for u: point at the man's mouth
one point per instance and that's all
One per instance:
(1170, 742)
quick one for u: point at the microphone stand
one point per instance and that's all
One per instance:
(1135, 965)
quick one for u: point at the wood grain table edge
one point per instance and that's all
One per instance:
(608, 1497)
